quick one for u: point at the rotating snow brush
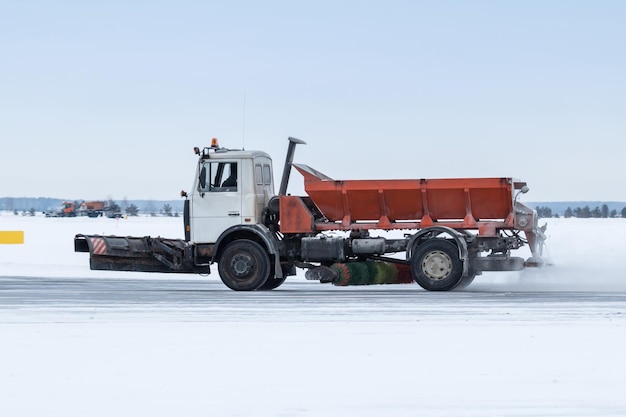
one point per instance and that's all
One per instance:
(371, 272)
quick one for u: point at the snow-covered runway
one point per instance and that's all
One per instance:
(180, 299)
(90, 343)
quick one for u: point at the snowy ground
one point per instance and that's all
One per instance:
(76, 342)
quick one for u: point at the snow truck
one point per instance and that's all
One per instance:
(84, 208)
(439, 233)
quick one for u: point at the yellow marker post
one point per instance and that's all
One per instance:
(11, 237)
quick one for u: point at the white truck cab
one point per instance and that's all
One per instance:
(231, 188)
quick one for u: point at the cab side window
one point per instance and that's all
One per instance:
(218, 177)
(258, 174)
(267, 175)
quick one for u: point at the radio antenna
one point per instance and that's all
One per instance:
(243, 133)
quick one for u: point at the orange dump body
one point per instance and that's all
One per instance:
(485, 204)
(92, 205)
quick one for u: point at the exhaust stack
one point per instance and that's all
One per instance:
(288, 161)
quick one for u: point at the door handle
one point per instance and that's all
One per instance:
(233, 213)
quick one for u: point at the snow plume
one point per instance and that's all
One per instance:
(586, 255)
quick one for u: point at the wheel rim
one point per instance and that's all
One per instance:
(437, 265)
(242, 265)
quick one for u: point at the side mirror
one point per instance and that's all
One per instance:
(203, 178)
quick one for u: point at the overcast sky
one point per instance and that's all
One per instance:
(107, 99)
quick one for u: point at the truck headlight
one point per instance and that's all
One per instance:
(522, 221)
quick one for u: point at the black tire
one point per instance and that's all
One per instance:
(436, 265)
(272, 284)
(244, 266)
(465, 282)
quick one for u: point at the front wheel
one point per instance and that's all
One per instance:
(436, 265)
(244, 266)
(272, 284)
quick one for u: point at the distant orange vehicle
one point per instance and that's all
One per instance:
(65, 209)
(73, 209)
(450, 230)
(92, 205)
(92, 208)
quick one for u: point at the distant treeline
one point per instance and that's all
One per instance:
(586, 212)
(46, 204)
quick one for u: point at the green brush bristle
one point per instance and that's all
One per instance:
(343, 274)
(359, 273)
(371, 272)
(382, 272)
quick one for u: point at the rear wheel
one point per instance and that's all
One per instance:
(465, 281)
(436, 265)
(244, 266)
